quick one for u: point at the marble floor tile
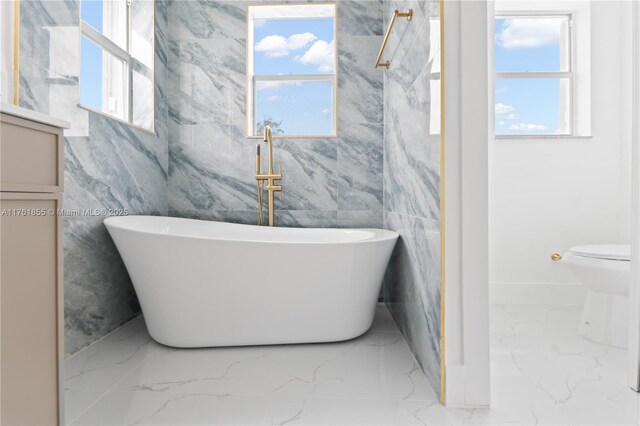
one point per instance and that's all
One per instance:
(436, 414)
(543, 373)
(338, 411)
(151, 408)
(378, 365)
(126, 378)
(77, 401)
(101, 365)
(251, 370)
(542, 366)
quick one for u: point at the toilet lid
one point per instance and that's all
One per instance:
(604, 251)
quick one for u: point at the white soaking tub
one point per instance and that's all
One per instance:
(204, 283)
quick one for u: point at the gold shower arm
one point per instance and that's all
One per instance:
(396, 13)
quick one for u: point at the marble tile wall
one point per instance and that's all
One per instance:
(411, 179)
(108, 164)
(198, 162)
(327, 181)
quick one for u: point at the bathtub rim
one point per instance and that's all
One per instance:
(380, 235)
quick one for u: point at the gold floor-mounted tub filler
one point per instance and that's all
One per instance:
(269, 178)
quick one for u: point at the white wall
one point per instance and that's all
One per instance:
(633, 363)
(547, 195)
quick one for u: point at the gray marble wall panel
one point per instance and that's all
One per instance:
(412, 288)
(384, 157)
(327, 181)
(411, 180)
(108, 164)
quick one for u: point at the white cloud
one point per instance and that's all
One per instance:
(326, 111)
(298, 41)
(270, 85)
(501, 123)
(530, 32)
(504, 109)
(511, 117)
(273, 98)
(275, 46)
(525, 127)
(320, 53)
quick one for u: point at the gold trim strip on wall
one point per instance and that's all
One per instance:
(16, 51)
(396, 14)
(443, 386)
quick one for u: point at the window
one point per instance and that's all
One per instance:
(291, 70)
(534, 84)
(116, 59)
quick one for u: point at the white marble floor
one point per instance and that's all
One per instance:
(127, 378)
(542, 373)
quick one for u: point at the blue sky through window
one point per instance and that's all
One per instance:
(529, 105)
(297, 46)
(108, 83)
(92, 13)
(90, 75)
(282, 46)
(302, 107)
(91, 58)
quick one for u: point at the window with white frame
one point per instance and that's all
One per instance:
(117, 59)
(534, 80)
(291, 69)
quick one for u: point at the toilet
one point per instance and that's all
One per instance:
(606, 272)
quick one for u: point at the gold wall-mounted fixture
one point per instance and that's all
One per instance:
(556, 256)
(396, 14)
(269, 178)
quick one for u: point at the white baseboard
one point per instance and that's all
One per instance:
(455, 385)
(537, 294)
(456, 389)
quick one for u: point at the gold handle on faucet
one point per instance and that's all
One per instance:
(555, 256)
(259, 184)
(280, 173)
(257, 158)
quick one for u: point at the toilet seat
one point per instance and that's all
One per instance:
(620, 252)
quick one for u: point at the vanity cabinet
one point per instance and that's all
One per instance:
(31, 275)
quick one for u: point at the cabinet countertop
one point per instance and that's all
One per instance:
(28, 114)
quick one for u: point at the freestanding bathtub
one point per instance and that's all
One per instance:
(204, 283)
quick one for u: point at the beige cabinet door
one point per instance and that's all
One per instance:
(30, 304)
